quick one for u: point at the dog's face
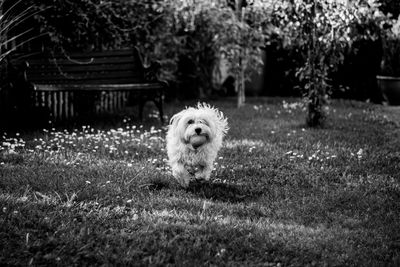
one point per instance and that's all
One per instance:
(202, 121)
(194, 123)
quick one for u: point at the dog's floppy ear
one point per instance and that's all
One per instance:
(173, 122)
(223, 123)
(178, 116)
(221, 120)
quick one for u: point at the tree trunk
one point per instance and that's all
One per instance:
(316, 90)
(315, 114)
(240, 79)
(240, 88)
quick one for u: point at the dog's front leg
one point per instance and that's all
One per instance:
(181, 175)
(203, 173)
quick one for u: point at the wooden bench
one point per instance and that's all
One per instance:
(97, 82)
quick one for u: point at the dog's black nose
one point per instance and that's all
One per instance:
(198, 130)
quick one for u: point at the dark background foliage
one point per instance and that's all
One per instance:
(187, 40)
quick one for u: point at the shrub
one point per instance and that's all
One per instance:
(390, 64)
(87, 25)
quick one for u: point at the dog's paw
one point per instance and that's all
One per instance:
(191, 170)
(184, 182)
(183, 178)
(204, 174)
(199, 176)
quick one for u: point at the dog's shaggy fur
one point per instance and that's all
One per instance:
(188, 160)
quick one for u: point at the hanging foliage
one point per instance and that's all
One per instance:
(322, 32)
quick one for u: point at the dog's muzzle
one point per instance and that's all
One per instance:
(198, 139)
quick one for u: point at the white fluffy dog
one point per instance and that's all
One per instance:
(193, 140)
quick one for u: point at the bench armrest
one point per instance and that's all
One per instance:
(151, 72)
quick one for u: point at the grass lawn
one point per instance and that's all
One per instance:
(281, 194)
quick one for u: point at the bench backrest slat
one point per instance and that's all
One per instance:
(89, 77)
(61, 61)
(39, 69)
(120, 66)
(107, 53)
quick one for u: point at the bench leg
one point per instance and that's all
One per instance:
(141, 107)
(159, 105)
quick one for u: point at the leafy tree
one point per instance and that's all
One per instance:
(318, 29)
(234, 31)
(323, 31)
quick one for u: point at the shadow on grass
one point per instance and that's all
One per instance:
(210, 190)
(224, 192)
(157, 184)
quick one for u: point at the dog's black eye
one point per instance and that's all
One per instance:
(190, 121)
